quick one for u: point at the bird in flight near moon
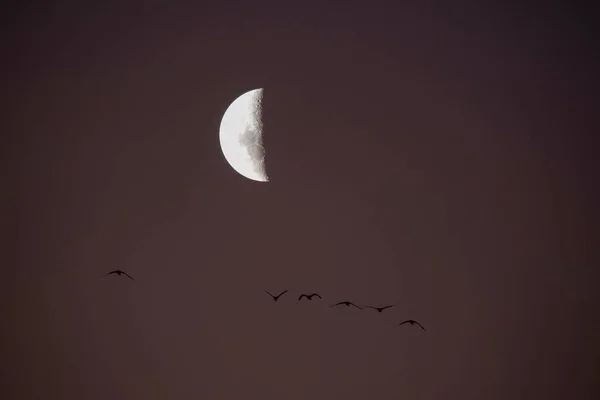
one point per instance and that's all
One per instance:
(241, 136)
(412, 322)
(347, 304)
(380, 309)
(275, 298)
(308, 296)
(119, 273)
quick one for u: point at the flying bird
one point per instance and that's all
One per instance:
(275, 298)
(412, 322)
(380, 309)
(347, 304)
(119, 272)
(309, 296)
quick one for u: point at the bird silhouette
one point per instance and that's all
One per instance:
(119, 272)
(275, 298)
(412, 322)
(309, 296)
(347, 304)
(380, 309)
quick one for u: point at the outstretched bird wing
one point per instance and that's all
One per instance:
(340, 303)
(116, 271)
(301, 296)
(129, 276)
(419, 325)
(403, 322)
(317, 294)
(374, 308)
(282, 293)
(391, 305)
(355, 306)
(267, 292)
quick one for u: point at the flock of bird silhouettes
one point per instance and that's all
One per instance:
(344, 303)
(308, 297)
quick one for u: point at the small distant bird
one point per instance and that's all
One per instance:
(275, 298)
(309, 296)
(119, 272)
(412, 322)
(347, 304)
(380, 309)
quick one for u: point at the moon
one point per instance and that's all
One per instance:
(241, 136)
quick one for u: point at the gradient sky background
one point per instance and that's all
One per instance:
(437, 157)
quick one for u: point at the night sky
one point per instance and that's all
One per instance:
(431, 156)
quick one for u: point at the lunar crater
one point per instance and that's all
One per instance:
(251, 139)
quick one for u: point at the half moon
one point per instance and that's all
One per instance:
(241, 134)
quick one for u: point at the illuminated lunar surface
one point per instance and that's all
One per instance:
(241, 136)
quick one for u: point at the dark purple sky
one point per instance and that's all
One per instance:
(437, 157)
